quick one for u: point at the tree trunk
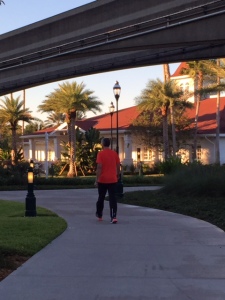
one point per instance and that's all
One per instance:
(173, 130)
(166, 70)
(217, 154)
(200, 86)
(14, 147)
(72, 142)
(165, 132)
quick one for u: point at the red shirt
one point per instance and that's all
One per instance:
(109, 160)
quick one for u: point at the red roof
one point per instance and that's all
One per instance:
(125, 118)
(183, 65)
(207, 116)
(42, 131)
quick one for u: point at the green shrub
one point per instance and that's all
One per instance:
(170, 165)
(55, 168)
(65, 181)
(13, 175)
(134, 180)
(196, 180)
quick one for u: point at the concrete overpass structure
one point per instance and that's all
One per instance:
(108, 35)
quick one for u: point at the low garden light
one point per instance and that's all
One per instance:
(30, 201)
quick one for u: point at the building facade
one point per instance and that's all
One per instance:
(45, 145)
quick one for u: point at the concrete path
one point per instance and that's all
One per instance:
(149, 254)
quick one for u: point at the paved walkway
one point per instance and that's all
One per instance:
(149, 254)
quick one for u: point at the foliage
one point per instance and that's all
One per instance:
(55, 168)
(87, 147)
(55, 119)
(8, 182)
(147, 128)
(136, 180)
(11, 112)
(203, 72)
(154, 103)
(208, 208)
(5, 156)
(13, 174)
(33, 126)
(169, 166)
(70, 99)
(5, 151)
(196, 180)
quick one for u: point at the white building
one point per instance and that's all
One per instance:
(44, 145)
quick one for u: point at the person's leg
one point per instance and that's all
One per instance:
(102, 189)
(112, 200)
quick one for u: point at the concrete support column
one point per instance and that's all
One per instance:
(57, 148)
(31, 149)
(128, 160)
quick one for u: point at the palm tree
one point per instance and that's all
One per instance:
(166, 71)
(218, 72)
(71, 99)
(34, 126)
(54, 119)
(11, 112)
(199, 70)
(158, 96)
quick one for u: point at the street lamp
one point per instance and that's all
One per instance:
(111, 111)
(30, 198)
(116, 91)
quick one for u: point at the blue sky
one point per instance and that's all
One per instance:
(18, 13)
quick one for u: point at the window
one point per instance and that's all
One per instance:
(138, 154)
(187, 87)
(184, 87)
(199, 153)
(148, 154)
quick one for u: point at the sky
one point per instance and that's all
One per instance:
(18, 13)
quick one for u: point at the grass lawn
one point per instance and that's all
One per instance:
(21, 237)
(209, 209)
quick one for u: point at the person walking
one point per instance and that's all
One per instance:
(107, 176)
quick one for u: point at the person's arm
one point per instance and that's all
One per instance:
(118, 170)
(98, 172)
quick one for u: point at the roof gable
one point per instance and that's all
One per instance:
(178, 71)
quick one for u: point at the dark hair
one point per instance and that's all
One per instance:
(106, 142)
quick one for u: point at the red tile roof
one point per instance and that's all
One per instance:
(125, 118)
(183, 65)
(207, 116)
(42, 131)
(206, 119)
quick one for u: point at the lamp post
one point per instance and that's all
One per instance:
(116, 91)
(30, 198)
(111, 111)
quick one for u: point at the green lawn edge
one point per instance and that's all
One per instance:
(209, 209)
(25, 236)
